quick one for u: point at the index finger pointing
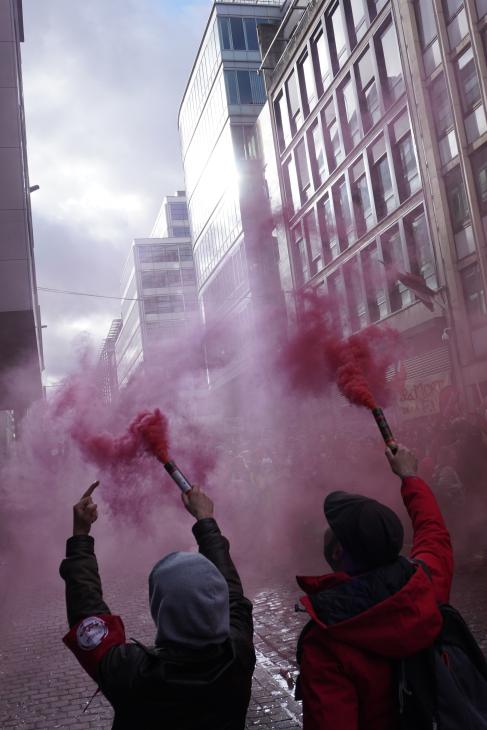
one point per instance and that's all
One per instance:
(90, 490)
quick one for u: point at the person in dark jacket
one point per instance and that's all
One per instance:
(376, 608)
(198, 674)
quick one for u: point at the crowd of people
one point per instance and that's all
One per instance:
(377, 652)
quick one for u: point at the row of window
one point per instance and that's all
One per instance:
(359, 103)
(225, 225)
(208, 129)
(238, 34)
(456, 23)
(366, 287)
(170, 304)
(154, 253)
(181, 231)
(179, 211)
(169, 278)
(348, 209)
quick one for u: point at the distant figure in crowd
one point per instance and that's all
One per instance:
(377, 607)
(199, 673)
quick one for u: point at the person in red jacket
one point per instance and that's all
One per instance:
(376, 608)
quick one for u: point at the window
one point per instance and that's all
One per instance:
(348, 110)
(443, 118)
(451, 8)
(304, 180)
(244, 87)
(428, 34)
(251, 34)
(238, 35)
(343, 214)
(319, 52)
(282, 121)
(355, 294)
(457, 199)
(374, 283)
(468, 80)
(389, 62)
(419, 247)
(336, 288)
(226, 40)
(381, 179)
(307, 83)
(313, 240)
(186, 253)
(479, 165)
(360, 197)
(359, 18)
(328, 229)
(425, 17)
(474, 294)
(291, 184)
(481, 8)
(367, 90)
(317, 154)
(245, 141)
(332, 136)
(399, 295)
(337, 37)
(295, 116)
(300, 256)
(459, 213)
(407, 174)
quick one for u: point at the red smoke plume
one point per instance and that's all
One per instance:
(147, 432)
(317, 355)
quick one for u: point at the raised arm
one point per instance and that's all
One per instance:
(214, 546)
(431, 540)
(93, 630)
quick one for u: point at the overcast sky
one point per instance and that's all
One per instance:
(103, 80)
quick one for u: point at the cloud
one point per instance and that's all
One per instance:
(103, 82)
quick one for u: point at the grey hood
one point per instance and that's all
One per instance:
(189, 601)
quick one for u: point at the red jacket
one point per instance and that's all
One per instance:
(346, 678)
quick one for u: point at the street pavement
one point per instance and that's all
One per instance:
(43, 688)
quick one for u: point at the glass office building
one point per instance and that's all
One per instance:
(221, 156)
(158, 290)
(378, 117)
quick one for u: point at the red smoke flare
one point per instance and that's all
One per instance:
(317, 355)
(147, 432)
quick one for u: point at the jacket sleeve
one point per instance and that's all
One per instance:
(216, 548)
(93, 630)
(431, 540)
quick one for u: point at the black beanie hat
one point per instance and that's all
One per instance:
(369, 531)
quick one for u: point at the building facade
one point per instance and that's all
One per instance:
(20, 329)
(224, 176)
(172, 221)
(377, 110)
(107, 364)
(158, 291)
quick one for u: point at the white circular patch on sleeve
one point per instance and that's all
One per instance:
(91, 632)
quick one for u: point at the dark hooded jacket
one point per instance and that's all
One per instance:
(362, 623)
(173, 686)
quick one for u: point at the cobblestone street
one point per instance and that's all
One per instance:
(43, 688)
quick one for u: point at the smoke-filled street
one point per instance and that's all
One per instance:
(43, 689)
(243, 364)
